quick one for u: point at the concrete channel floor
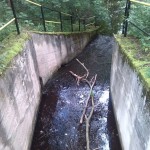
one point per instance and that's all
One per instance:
(62, 103)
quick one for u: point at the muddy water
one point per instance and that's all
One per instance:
(63, 101)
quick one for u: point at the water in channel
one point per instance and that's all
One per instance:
(62, 103)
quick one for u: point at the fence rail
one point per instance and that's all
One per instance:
(8, 23)
(126, 19)
(55, 22)
(77, 21)
(139, 2)
(90, 24)
(34, 3)
(139, 28)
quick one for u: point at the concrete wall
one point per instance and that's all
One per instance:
(20, 86)
(19, 99)
(55, 50)
(131, 104)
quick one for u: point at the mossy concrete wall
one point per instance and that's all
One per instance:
(54, 50)
(131, 103)
(19, 100)
(20, 86)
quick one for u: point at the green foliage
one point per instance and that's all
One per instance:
(109, 16)
(140, 15)
(147, 72)
(110, 13)
(106, 11)
(5, 32)
(145, 41)
(5, 12)
(5, 16)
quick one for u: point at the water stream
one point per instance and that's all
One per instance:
(62, 103)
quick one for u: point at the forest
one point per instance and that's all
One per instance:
(109, 16)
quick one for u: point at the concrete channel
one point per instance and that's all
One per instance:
(63, 101)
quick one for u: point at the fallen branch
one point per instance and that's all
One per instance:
(96, 148)
(91, 84)
(88, 119)
(87, 101)
(78, 78)
(82, 64)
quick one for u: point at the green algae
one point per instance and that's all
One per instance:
(9, 48)
(67, 33)
(136, 57)
(13, 45)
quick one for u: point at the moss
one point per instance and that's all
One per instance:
(67, 33)
(13, 44)
(9, 48)
(136, 57)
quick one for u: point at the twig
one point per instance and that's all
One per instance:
(88, 119)
(90, 93)
(91, 85)
(78, 78)
(82, 64)
(96, 148)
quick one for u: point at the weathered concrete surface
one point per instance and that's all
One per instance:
(63, 101)
(19, 99)
(131, 104)
(54, 50)
(20, 85)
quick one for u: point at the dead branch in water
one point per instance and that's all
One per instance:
(96, 148)
(88, 119)
(78, 78)
(82, 64)
(91, 84)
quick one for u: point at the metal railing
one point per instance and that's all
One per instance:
(81, 21)
(127, 21)
(12, 20)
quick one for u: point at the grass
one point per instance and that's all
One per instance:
(137, 57)
(9, 48)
